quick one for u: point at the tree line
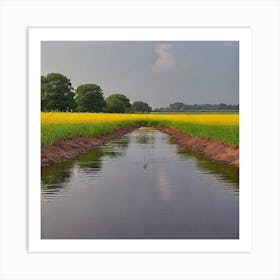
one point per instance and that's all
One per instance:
(182, 107)
(58, 94)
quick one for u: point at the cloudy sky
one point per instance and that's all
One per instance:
(158, 73)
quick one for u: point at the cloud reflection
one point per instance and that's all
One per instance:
(163, 184)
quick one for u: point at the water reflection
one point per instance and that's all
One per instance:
(55, 177)
(117, 147)
(163, 184)
(146, 137)
(146, 140)
(142, 185)
(226, 173)
(52, 178)
(57, 173)
(91, 160)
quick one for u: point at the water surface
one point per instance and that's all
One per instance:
(141, 186)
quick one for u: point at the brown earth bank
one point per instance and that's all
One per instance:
(71, 147)
(213, 149)
(68, 148)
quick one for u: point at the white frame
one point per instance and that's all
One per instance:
(243, 35)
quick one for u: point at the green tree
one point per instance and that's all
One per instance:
(139, 106)
(177, 106)
(57, 93)
(89, 98)
(117, 103)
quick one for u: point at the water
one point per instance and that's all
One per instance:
(142, 186)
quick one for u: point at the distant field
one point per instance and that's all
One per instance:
(215, 125)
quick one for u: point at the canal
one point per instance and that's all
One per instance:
(141, 186)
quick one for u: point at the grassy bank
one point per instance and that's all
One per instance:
(54, 126)
(228, 134)
(50, 133)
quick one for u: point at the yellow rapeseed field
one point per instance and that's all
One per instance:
(87, 118)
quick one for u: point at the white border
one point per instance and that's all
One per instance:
(243, 35)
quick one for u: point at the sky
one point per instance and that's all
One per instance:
(156, 72)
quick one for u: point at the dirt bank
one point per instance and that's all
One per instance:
(213, 149)
(71, 147)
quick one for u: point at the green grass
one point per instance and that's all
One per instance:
(52, 133)
(227, 134)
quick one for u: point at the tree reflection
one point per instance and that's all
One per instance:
(117, 148)
(93, 159)
(226, 172)
(146, 139)
(53, 178)
(56, 173)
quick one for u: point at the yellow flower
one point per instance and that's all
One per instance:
(75, 118)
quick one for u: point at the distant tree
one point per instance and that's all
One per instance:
(57, 93)
(177, 106)
(117, 103)
(122, 98)
(222, 106)
(139, 106)
(114, 105)
(89, 98)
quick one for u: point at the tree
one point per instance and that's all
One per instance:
(177, 106)
(114, 105)
(117, 103)
(57, 93)
(89, 98)
(139, 106)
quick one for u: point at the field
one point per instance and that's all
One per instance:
(55, 126)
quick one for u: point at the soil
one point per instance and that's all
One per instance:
(213, 149)
(68, 148)
(71, 147)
